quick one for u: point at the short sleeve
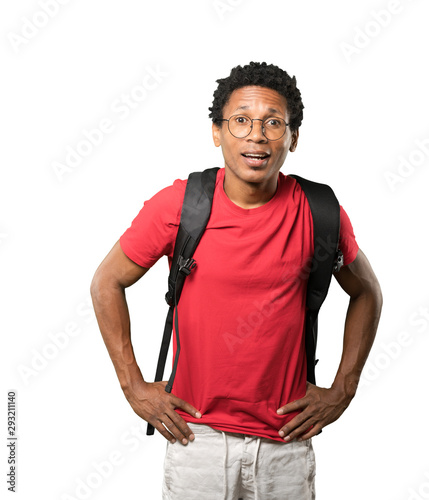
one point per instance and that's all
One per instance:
(153, 232)
(347, 243)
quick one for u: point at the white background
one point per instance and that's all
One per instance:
(363, 112)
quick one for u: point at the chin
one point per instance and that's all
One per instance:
(249, 174)
(256, 175)
(253, 174)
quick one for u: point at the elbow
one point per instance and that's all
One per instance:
(378, 298)
(371, 295)
(374, 298)
(95, 287)
(104, 285)
(100, 285)
(376, 295)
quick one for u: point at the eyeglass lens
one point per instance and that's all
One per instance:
(240, 126)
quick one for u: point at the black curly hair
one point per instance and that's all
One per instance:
(262, 75)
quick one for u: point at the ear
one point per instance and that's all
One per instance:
(294, 142)
(216, 132)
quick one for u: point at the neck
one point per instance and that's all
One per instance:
(247, 194)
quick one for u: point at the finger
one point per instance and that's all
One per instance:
(293, 406)
(183, 437)
(294, 423)
(181, 425)
(162, 430)
(311, 433)
(185, 406)
(298, 432)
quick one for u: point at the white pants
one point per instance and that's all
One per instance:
(221, 465)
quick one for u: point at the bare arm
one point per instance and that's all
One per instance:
(320, 406)
(148, 400)
(360, 283)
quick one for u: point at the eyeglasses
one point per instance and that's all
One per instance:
(240, 126)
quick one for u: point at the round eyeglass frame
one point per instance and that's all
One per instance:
(251, 126)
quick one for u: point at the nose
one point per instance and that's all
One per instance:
(256, 133)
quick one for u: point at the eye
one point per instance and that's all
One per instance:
(241, 120)
(273, 123)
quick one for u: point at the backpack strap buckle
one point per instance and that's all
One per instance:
(186, 266)
(169, 296)
(339, 261)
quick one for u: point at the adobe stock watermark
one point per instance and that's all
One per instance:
(101, 470)
(248, 325)
(42, 357)
(390, 351)
(292, 279)
(33, 24)
(408, 165)
(364, 35)
(121, 108)
(422, 493)
(224, 7)
(3, 238)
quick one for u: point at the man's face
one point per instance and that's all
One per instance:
(262, 103)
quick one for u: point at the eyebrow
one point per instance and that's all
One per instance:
(271, 110)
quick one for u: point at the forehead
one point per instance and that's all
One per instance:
(256, 99)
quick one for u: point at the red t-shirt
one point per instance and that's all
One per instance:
(242, 309)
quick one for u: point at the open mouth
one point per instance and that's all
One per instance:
(259, 156)
(255, 159)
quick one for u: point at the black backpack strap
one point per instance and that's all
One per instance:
(325, 211)
(195, 214)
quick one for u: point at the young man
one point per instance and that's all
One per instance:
(241, 415)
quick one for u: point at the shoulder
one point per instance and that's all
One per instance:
(153, 231)
(347, 241)
(290, 187)
(167, 203)
(173, 192)
(303, 191)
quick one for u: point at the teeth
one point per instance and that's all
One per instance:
(255, 156)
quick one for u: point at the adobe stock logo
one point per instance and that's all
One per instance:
(248, 325)
(380, 361)
(32, 25)
(407, 166)
(58, 341)
(363, 36)
(293, 279)
(122, 107)
(423, 491)
(100, 471)
(223, 7)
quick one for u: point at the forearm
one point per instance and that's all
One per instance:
(113, 318)
(320, 406)
(362, 319)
